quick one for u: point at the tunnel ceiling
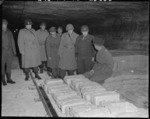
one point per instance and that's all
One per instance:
(73, 11)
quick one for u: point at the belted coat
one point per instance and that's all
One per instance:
(29, 48)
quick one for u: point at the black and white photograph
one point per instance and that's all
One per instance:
(75, 58)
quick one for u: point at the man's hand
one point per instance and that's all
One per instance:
(22, 53)
(49, 58)
(93, 59)
(92, 72)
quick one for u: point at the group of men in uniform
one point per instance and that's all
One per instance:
(58, 53)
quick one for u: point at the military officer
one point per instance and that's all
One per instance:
(52, 45)
(8, 50)
(42, 34)
(104, 64)
(29, 49)
(66, 52)
(60, 30)
(84, 51)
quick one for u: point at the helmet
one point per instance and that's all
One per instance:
(69, 27)
(43, 23)
(84, 28)
(5, 21)
(28, 22)
(52, 29)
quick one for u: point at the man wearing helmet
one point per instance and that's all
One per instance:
(66, 52)
(8, 49)
(29, 49)
(42, 34)
(52, 45)
(84, 51)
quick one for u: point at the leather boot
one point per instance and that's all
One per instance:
(37, 76)
(27, 76)
(3, 80)
(9, 80)
(41, 69)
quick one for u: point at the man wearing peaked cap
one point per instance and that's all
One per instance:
(8, 50)
(104, 64)
(29, 49)
(42, 34)
(52, 46)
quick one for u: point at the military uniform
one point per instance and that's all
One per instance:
(52, 46)
(67, 54)
(84, 52)
(30, 50)
(41, 36)
(8, 49)
(103, 67)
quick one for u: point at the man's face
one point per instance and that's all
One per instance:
(53, 33)
(43, 27)
(29, 26)
(4, 26)
(84, 33)
(59, 31)
(70, 31)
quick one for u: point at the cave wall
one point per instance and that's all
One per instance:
(123, 25)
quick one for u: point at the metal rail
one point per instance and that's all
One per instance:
(44, 98)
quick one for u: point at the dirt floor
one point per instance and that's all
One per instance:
(19, 100)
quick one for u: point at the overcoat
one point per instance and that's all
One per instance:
(29, 48)
(67, 51)
(41, 36)
(52, 46)
(103, 66)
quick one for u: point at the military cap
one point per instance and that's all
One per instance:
(5, 21)
(28, 22)
(69, 27)
(52, 29)
(84, 28)
(98, 41)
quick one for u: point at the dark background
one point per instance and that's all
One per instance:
(123, 25)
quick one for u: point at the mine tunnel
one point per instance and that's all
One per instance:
(124, 27)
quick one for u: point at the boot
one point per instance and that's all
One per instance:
(37, 76)
(41, 69)
(49, 73)
(27, 76)
(3, 80)
(9, 80)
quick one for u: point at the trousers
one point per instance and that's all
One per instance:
(84, 64)
(7, 58)
(63, 73)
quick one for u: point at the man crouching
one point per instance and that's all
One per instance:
(104, 64)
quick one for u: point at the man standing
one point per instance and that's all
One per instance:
(52, 46)
(29, 49)
(66, 52)
(60, 30)
(104, 64)
(42, 34)
(8, 49)
(84, 51)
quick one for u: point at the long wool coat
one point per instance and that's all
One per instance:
(29, 48)
(52, 46)
(103, 67)
(67, 52)
(41, 36)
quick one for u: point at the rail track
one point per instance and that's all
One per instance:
(44, 98)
